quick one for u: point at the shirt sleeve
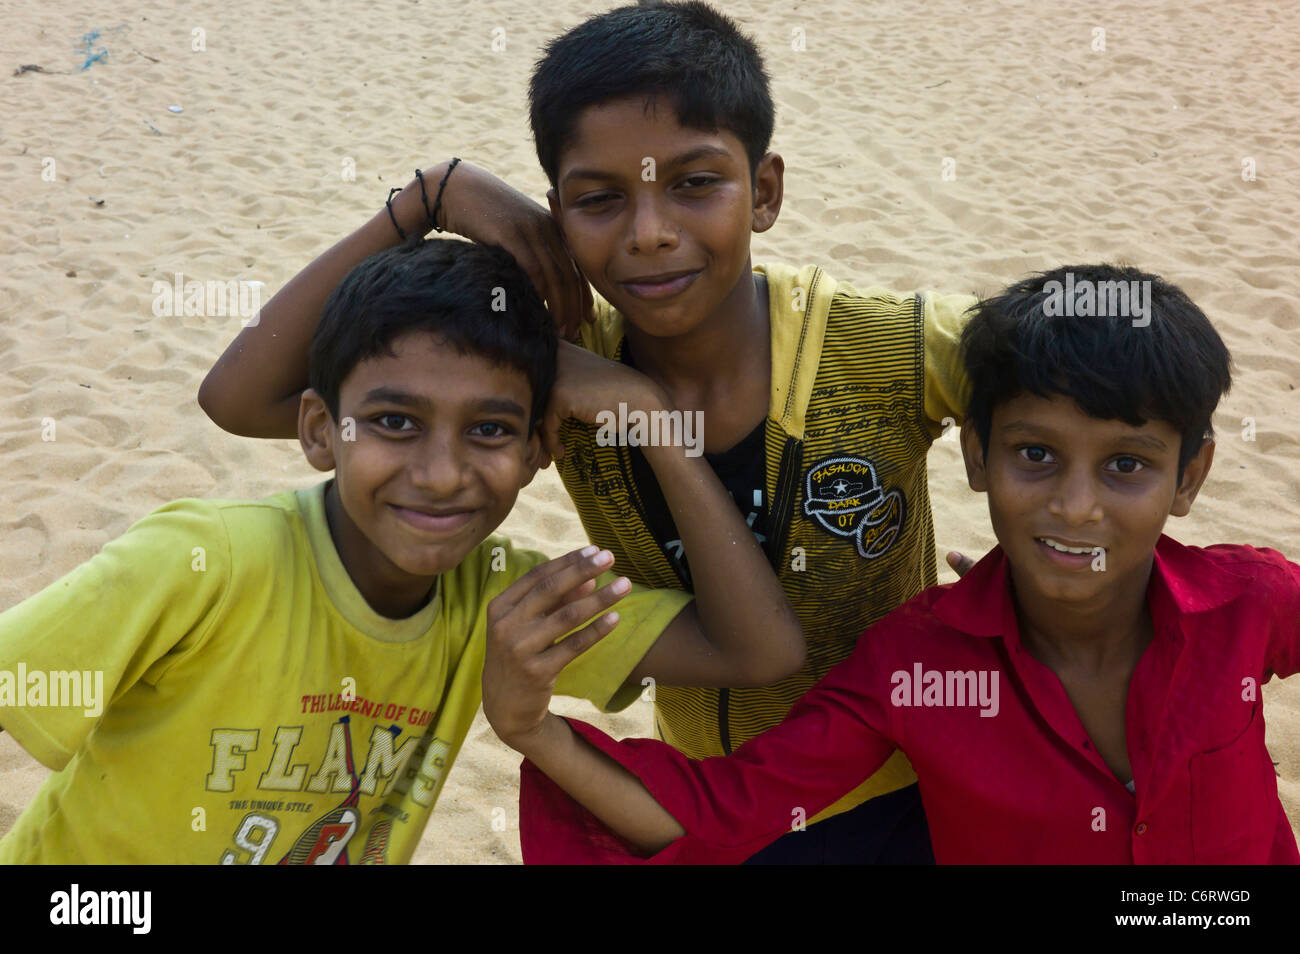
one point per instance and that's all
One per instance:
(731, 806)
(946, 385)
(1283, 652)
(600, 674)
(122, 617)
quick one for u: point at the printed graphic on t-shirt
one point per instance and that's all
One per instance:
(398, 773)
(326, 841)
(844, 495)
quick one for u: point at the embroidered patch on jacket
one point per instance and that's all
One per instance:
(844, 496)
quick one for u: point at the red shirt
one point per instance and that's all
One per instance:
(1019, 785)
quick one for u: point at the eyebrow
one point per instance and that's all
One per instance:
(691, 155)
(387, 395)
(499, 406)
(1142, 440)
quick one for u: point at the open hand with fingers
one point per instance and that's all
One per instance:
(523, 658)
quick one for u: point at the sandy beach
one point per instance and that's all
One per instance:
(926, 147)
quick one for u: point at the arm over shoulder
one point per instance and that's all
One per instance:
(839, 734)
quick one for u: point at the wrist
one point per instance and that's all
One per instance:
(413, 207)
(678, 453)
(650, 397)
(407, 216)
(447, 185)
(439, 177)
(541, 739)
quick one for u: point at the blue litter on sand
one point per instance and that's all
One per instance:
(93, 48)
(87, 49)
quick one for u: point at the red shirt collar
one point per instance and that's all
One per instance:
(1187, 578)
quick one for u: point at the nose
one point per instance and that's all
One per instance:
(651, 228)
(1075, 499)
(440, 466)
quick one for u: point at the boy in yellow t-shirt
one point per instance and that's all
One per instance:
(289, 680)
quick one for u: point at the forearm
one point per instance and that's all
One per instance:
(254, 388)
(600, 785)
(729, 807)
(743, 611)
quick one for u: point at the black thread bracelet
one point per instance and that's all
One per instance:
(437, 203)
(424, 200)
(389, 203)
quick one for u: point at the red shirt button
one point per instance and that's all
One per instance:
(1140, 828)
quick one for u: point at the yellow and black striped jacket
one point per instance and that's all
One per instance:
(862, 382)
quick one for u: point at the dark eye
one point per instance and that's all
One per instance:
(491, 429)
(593, 200)
(1128, 465)
(698, 182)
(1035, 454)
(395, 422)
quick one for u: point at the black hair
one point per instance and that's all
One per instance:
(475, 297)
(688, 53)
(1078, 331)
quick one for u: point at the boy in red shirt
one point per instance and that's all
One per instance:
(1088, 693)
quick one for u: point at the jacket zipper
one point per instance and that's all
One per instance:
(786, 479)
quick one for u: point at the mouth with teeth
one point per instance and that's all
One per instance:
(1069, 554)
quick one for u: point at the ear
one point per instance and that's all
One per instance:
(769, 189)
(316, 431)
(973, 454)
(553, 200)
(535, 458)
(1194, 474)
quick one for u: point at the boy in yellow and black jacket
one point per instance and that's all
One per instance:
(862, 382)
(819, 400)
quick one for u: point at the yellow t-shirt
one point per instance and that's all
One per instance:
(252, 707)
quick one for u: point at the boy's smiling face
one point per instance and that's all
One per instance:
(667, 252)
(441, 451)
(1058, 479)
